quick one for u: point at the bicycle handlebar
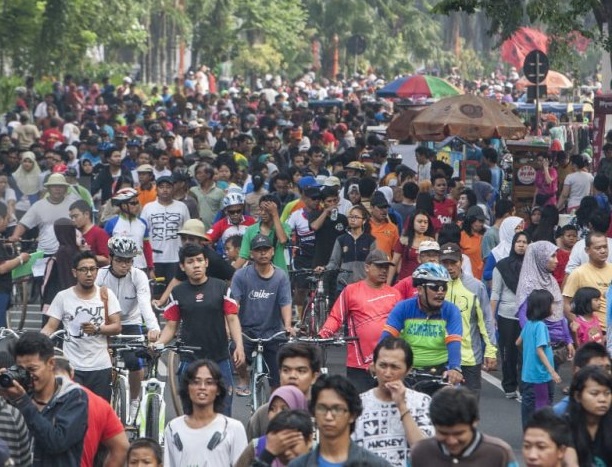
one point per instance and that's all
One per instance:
(60, 334)
(328, 340)
(268, 339)
(7, 332)
(298, 272)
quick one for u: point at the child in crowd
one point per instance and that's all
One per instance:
(145, 451)
(566, 238)
(538, 366)
(586, 325)
(232, 248)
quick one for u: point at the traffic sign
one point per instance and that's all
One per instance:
(536, 66)
(356, 44)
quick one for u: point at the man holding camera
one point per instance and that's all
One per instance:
(55, 409)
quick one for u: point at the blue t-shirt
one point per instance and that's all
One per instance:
(324, 463)
(261, 300)
(534, 335)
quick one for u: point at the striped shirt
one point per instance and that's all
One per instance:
(14, 431)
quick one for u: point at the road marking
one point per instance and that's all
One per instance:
(492, 380)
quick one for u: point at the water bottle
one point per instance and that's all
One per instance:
(334, 215)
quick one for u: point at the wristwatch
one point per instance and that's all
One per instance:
(96, 329)
(457, 368)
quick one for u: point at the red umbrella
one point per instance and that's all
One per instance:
(523, 41)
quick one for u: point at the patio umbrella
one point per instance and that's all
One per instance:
(524, 40)
(469, 117)
(554, 82)
(399, 128)
(418, 86)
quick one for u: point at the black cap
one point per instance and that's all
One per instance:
(261, 241)
(164, 179)
(477, 212)
(450, 251)
(378, 200)
(378, 257)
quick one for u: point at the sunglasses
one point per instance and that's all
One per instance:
(234, 211)
(134, 203)
(437, 287)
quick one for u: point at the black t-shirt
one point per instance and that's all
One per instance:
(217, 267)
(326, 236)
(6, 280)
(201, 310)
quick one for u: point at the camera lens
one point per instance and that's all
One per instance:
(6, 380)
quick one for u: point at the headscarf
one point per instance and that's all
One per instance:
(483, 191)
(292, 396)
(506, 235)
(510, 266)
(65, 232)
(534, 275)
(28, 182)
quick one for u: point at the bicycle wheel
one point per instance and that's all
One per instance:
(119, 400)
(152, 422)
(260, 393)
(173, 363)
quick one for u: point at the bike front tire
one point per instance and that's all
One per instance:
(119, 400)
(152, 421)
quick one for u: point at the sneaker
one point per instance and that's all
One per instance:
(512, 395)
(134, 405)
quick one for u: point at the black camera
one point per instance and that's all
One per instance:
(15, 373)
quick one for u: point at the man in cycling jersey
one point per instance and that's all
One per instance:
(129, 224)
(131, 286)
(431, 325)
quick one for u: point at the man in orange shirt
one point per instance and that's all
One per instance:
(382, 229)
(147, 191)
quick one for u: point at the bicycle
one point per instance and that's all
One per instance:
(120, 385)
(22, 277)
(150, 420)
(426, 382)
(323, 342)
(259, 370)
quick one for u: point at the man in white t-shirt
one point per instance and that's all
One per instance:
(165, 217)
(394, 418)
(89, 315)
(203, 436)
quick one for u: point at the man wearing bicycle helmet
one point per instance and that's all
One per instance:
(131, 286)
(129, 224)
(431, 325)
(234, 222)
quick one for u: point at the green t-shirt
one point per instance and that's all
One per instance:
(279, 248)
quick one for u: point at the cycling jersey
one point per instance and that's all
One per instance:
(223, 228)
(474, 329)
(435, 338)
(136, 229)
(133, 294)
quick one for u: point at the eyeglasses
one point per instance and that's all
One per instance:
(234, 211)
(124, 260)
(91, 270)
(354, 217)
(437, 287)
(134, 203)
(335, 410)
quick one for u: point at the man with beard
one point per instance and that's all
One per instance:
(89, 314)
(431, 325)
(364, 306)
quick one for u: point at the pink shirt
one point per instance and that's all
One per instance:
(588, 330)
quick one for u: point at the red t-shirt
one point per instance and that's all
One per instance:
(445, 211)
(50, 138)
(97, 239)
(410, 259)
(102, 425)
(559, 272)
(406, 288)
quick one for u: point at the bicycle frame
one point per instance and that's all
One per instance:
(150, 390)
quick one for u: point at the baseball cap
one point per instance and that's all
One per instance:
(428, 245)
(355, 165)
(261, 241)
(332, 181)
(378, 257)
(450, 251)
(306, 182)
(477, 212)
(70, 172)
(145, 168)
(164, 179)
(378, 200)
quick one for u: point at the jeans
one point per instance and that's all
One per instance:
(534, 397)
(270, 353)
(4, 303)
(226, 376)
(510, 354)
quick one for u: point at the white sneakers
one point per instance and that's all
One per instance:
(133, 411)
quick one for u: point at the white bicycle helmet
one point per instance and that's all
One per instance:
(233, 199)
(123, 247)
(123, 196)
(429, 272)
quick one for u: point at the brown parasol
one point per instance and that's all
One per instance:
(469, 117)
(399, 128)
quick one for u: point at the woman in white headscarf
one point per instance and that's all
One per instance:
(509, 226)
(536, 273)
(29, 183)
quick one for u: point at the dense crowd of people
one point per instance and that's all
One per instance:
(228, 197)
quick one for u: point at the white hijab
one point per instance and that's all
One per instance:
(506, 234)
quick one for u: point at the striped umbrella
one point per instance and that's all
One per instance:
(415, 86)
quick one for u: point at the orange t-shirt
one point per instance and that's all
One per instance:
(386, 234)
(471, 247)
(146, 196)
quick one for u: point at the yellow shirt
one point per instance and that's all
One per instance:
(588, 275)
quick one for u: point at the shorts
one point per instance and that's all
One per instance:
(132, 362)
(97, 381)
